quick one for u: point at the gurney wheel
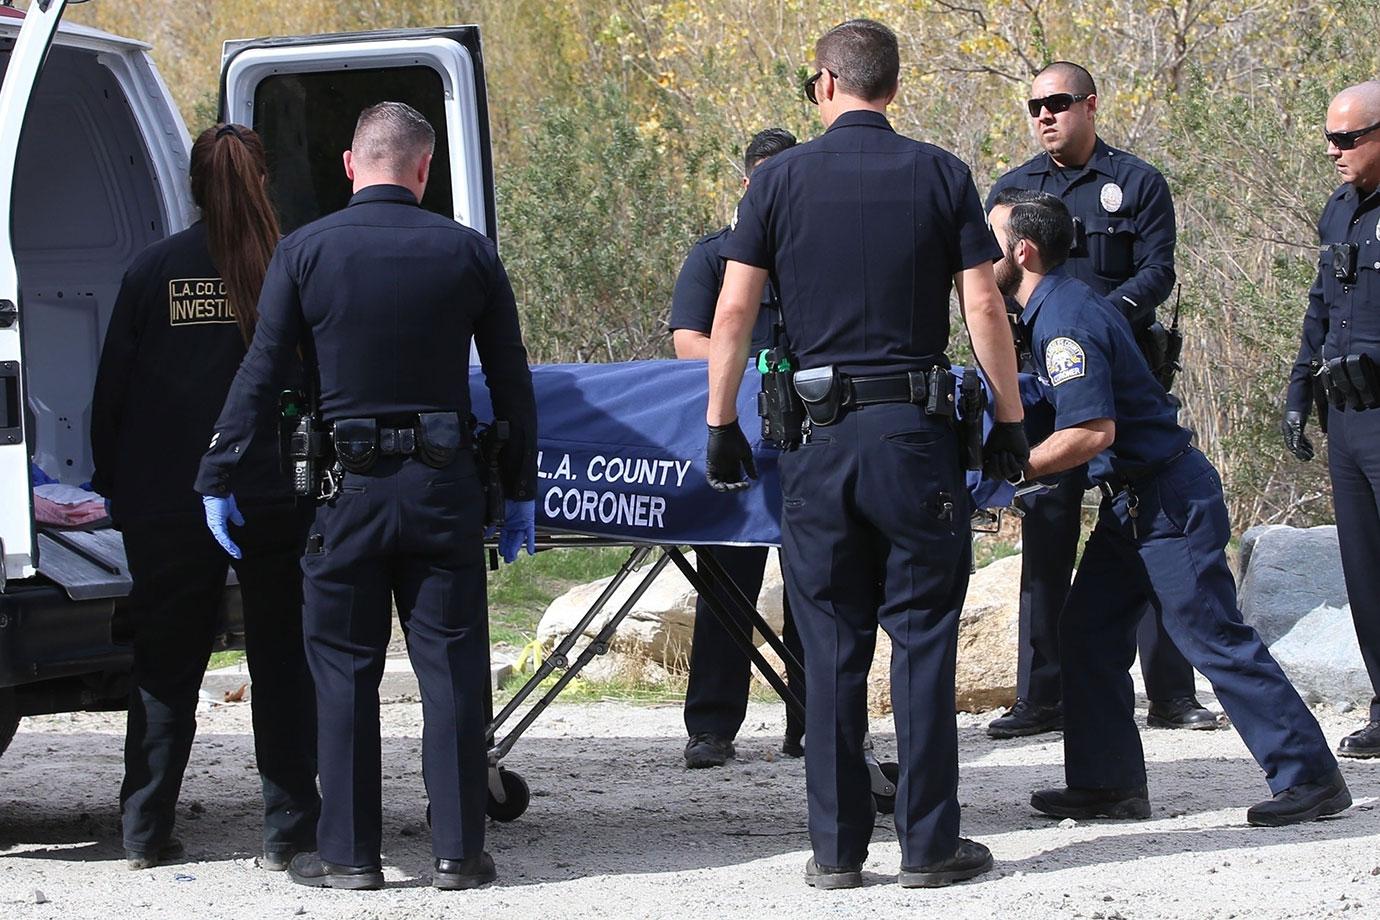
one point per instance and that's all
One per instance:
(886, 804)
(516, 798)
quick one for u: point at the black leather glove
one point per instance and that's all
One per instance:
(1006, 451)
(727, 458)
(1291, 426)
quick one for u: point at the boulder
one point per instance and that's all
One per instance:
(659, 627)
(1287, 572)
(987, 635)
(1322, 658)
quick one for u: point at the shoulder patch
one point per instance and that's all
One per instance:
(733, 224)
(1064, 360)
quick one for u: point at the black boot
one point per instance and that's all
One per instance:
(706, 750)
(1303, 802)
(970, 859)
(310, 870)
(169, 852)
(461, 874)
(1363, 743)
(1181, 712)
(1027, 718)
(1072, 802)
(817, 876)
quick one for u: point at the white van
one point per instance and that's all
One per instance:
(93, 168)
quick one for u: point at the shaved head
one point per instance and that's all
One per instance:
(1363, 99)
(1074, 76)
(1355, 113)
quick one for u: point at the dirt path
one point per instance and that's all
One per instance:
(617, 828)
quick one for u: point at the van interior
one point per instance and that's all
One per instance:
(86, 201)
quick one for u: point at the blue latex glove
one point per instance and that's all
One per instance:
(519, 529)
(218, 512)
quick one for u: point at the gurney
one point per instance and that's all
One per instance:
(621, 463)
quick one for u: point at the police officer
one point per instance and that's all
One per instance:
(864, 232)
(177, 332)
(386, 297)
(716, 698)
(1124, 250)
(1160, 537)
(1341, 327)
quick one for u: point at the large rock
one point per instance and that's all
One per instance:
(987, 634)
(1286, 573)
(1322, 658)
(659, 627)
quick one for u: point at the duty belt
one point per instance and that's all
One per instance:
(910, 387)
(1117, 483)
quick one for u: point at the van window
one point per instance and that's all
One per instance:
(308, 119)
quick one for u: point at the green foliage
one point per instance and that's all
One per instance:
(596, 223)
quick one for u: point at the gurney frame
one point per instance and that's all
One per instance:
(509, 794)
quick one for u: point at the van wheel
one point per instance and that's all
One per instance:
(9, 718)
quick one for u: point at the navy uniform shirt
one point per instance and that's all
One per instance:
(1343, 315)
(1087, 358)
(697, 293)
(1126, 252)
(389, 296)
(171, 350)
(863, 230)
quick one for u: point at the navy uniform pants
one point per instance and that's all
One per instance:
(1049, 545)
(1173, 556)
(408, 535)
(875, 532)
(1353, 459)
(179, 573)
(720, 672)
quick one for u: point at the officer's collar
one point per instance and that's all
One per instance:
(395, 193)
(861, 118)
(1037, 297)
(1100, 161)
(1352, 194)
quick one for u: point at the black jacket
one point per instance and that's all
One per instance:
(171, 350)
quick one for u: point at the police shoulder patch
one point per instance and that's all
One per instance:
(1064, 360)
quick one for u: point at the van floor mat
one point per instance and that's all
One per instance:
(87, 564)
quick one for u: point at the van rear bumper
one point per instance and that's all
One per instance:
(45, 635)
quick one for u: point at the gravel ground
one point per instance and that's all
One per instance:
(618, 828)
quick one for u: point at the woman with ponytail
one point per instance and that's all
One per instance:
(178, 331)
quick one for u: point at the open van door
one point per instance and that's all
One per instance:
(303, 95)
(16, 491)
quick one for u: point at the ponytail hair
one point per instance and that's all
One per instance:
(228, 173)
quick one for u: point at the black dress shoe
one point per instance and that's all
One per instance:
(1027, 718)
(311, 870)
(706, 750)
(169, 852)
(1363, 743)
(970, 859)
(792, 747)
(1181, 712)
(461, 874)
(1072, 802)
(817, 876)
(1304, 802)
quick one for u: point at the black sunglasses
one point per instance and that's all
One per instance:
(810, 85)
(1345, 140)
(1055, 102)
